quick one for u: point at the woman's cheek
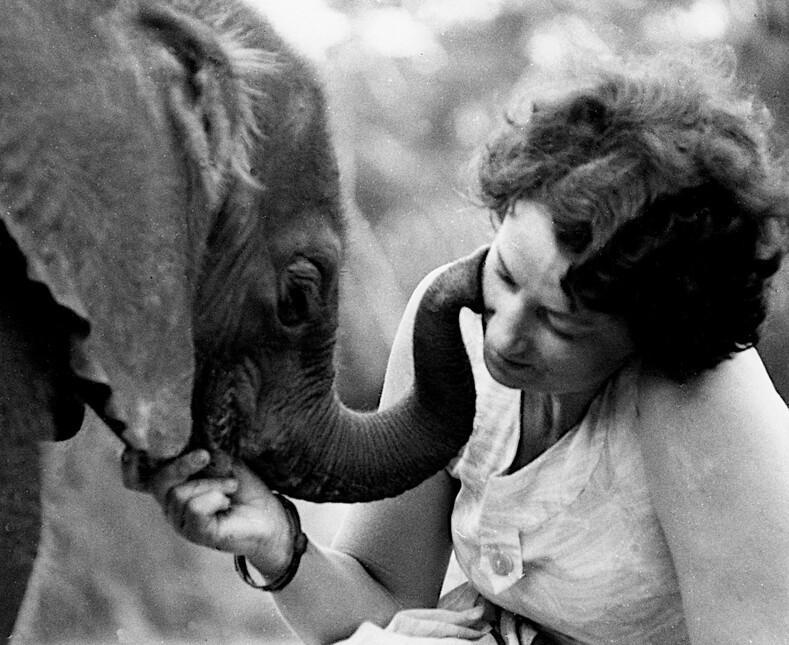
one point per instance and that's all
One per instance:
(562, 355)
(549, 344)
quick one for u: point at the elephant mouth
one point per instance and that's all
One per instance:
(221, 424)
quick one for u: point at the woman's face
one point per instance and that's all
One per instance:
(534, 339)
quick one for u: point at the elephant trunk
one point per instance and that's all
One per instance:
(354, 456)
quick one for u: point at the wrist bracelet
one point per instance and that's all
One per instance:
(299, 547)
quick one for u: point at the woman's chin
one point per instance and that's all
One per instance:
(514, 376)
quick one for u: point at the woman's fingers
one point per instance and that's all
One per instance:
(199, 518)
(238, 514)
(188, 491)
(251, 489)
(177, 472)
(139, 474)
(440, 623)
(200, 499)
(429, 629)
(467, 616)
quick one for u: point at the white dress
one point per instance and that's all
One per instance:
(571, 541)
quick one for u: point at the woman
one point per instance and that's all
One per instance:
(627, 480)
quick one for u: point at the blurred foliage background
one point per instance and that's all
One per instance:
(414, 86)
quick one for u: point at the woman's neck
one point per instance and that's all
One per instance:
(545, 418)
(562, 412)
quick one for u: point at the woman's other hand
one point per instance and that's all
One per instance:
(237, 514)
(440, 623)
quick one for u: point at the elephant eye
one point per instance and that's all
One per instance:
(300, 293)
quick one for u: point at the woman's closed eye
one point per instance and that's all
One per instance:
(505, 276)
(565, 326)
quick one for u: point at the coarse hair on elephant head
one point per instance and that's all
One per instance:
(167, 173)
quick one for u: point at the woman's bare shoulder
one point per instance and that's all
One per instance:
(716, 453)
(723, 428)
(739, 389)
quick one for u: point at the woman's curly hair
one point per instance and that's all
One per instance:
(664, 190)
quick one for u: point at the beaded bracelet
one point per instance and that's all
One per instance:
(299, 547)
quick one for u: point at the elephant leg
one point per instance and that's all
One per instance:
(20, 522)
(28, 413)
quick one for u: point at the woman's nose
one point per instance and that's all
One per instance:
(513, 333)
(517, 344)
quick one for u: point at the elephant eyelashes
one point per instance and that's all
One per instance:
(300, 293)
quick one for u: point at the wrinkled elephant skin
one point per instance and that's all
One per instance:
(171, 235)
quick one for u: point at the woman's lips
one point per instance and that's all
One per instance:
(510, 372)
(510, 364)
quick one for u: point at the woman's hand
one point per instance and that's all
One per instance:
(238, 514)
(440, 623)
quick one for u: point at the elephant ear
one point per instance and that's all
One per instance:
(212, 110)
(108, 185)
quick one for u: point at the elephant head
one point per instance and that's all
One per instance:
(170, 192)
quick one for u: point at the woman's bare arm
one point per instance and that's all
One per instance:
(717, 458)
(385, 559)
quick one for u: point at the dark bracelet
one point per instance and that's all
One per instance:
(299, 547)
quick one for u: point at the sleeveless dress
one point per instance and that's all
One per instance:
(571, 541)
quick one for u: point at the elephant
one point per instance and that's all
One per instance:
(172, 232)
